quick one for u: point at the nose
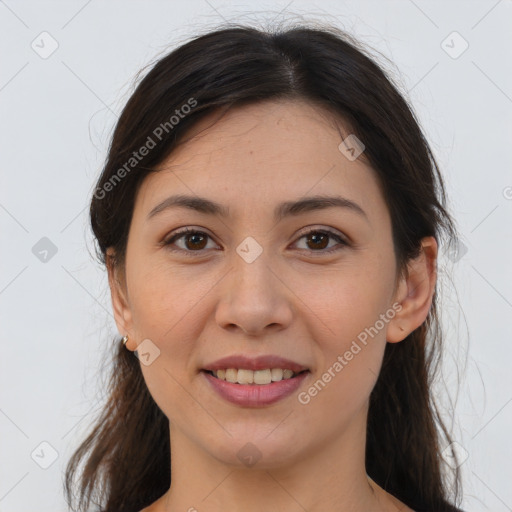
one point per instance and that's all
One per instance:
(254, 298)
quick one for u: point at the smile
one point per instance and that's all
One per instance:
(254, 394)
(258, 377)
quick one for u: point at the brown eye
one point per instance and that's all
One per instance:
(193, 241)
(317, 240)
(196, 240)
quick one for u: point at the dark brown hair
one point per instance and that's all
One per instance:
(126, 456)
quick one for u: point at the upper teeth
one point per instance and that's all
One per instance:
(243, 376)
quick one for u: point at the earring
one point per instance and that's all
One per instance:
(124, 340)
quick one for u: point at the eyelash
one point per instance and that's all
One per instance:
(186, 231)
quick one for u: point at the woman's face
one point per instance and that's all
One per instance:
(251, 283)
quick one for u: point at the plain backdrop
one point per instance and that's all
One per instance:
(67, 68)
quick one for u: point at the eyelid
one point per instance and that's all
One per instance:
(316, 227)
(342, 240)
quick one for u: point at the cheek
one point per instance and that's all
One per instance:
(165, 310)
(350, 345)
(347, 311)
(166, 301)
(344, 302)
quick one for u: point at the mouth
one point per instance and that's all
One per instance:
(242, 376)
(258, 388)
(254, 380)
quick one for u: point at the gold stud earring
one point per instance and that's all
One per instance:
(124, 340)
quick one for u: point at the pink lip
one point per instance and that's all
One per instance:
(255, 363)
(255, 395)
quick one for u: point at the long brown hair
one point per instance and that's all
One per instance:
(127, 454)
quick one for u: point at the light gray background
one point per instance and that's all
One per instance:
(57, 114)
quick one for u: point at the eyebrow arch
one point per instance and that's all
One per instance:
(285, 209)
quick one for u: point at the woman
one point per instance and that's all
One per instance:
(270, 215)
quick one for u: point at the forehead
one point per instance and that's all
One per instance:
(265, 126)
(262, 154)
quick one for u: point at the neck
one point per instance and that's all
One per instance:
(332, 477)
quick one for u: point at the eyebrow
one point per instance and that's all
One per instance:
(282, 210)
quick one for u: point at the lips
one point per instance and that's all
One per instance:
(255, 394)
(262, 362)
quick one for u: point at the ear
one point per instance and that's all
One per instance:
(119, 296)
(415, 292)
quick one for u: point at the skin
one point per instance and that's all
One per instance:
(292, 301)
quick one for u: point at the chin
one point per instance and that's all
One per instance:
(261, 451)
